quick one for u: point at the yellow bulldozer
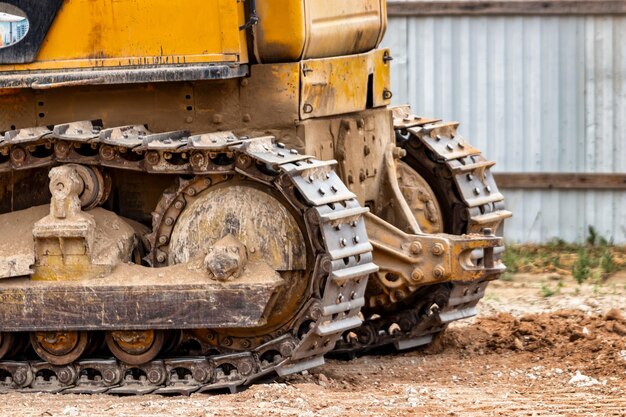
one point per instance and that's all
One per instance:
(197, 195)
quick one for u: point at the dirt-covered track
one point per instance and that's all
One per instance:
(500, 364)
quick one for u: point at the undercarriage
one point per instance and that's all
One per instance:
(255, 262)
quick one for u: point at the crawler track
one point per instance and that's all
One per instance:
(471, 203)
(332, 215)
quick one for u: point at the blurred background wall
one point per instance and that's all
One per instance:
(539, 87)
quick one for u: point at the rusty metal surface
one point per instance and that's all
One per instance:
(409, 261)
(191, 300)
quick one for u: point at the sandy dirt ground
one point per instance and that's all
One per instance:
(526, 354)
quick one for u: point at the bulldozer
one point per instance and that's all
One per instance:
(198, 195)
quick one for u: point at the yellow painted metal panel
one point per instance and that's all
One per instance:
(106, 33)
(339, 85)
(342, 27)
(290, 30)
(279, 35)
(379, 66)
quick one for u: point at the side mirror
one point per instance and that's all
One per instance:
(13, 25)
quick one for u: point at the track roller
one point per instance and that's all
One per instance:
(60, 347)
(135, 347)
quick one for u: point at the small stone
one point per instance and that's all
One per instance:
(70, 411)
(517, 344)
(576, 335)
(614, 314)
(322, 378)
(525, 329)
(619, 328)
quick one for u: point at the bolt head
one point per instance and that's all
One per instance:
(154, 376)
(286, 348)
(153, 158)
(438, 249)
(19, 377)
(245, 368)
(439, 272)
(415, 248)
(106, 152)
(18, 155)
(417, 275)
(200, 375)
(197, 160)
(64, 375)
(108, 375)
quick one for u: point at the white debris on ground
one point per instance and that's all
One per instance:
(581, 380)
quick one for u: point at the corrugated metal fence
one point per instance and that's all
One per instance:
(536, 94)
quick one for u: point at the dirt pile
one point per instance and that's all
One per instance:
(595, 343)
